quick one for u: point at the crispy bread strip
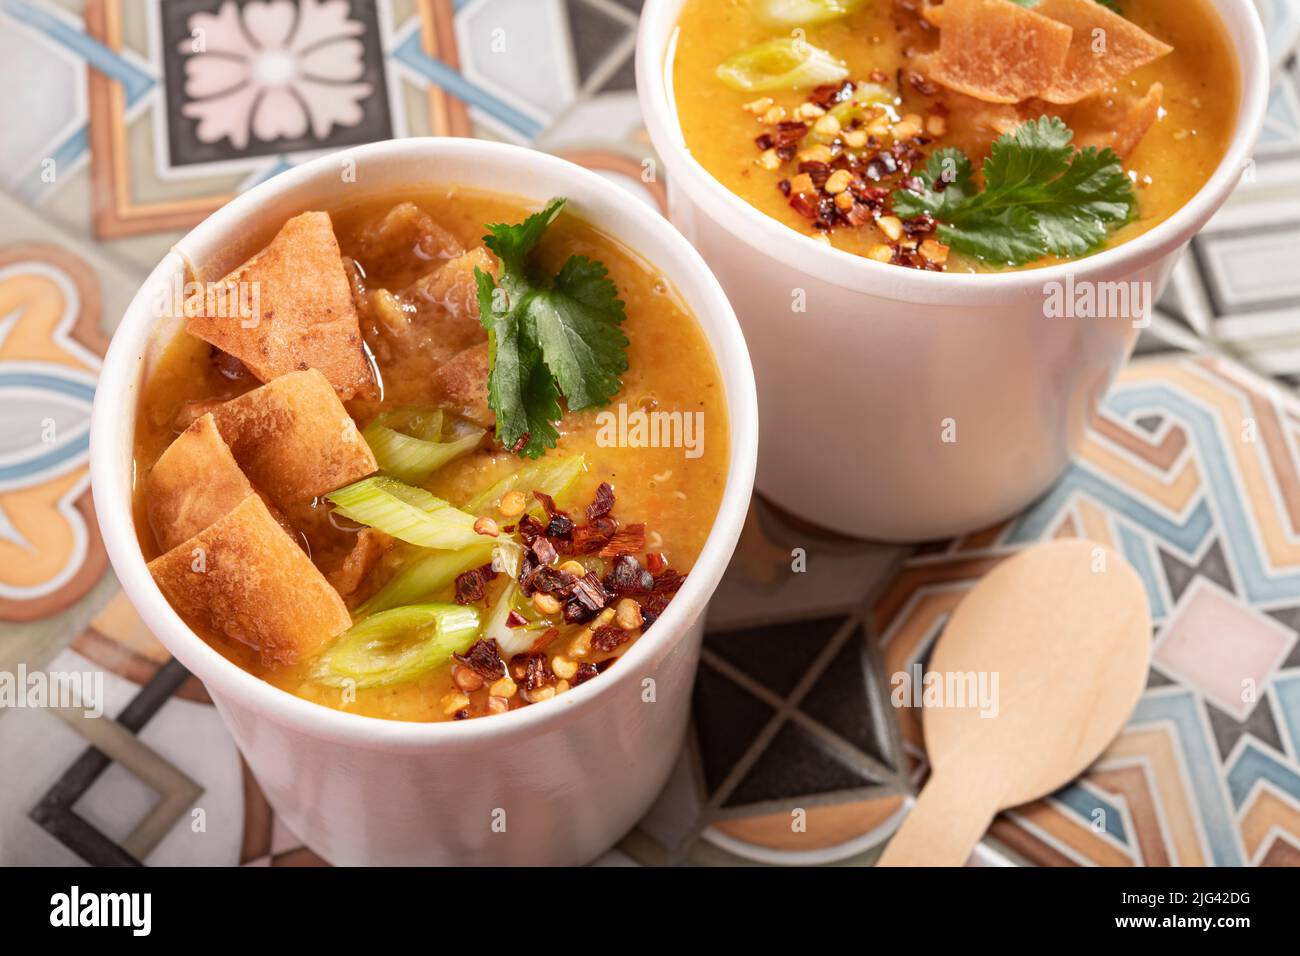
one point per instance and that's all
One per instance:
(305, 319)
(462, 381)
(245, 578)
(294, 439)
(1105, 47)
(996, 51)
(446, 300)
(193, 483)
(1118, 123)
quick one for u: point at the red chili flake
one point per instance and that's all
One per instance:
(550, 580)
(527, 568)
(603, 503)
(470, 585)
(590, 538)
(784, 187)
(607, 637)
(817, 172)
(530, 529)
(585, 673)
(828, 94)
(653, 606)
(789, 133)
(560, 526)
(628, 540)
(545, 641)
(484, 659)
(521, 443)
(656, 562)
(859, 214)
(628, 577)
(531, 671)
(764, 141)
(804, 205)
(515, 619)
(462, 714)
(547, 502)
(669, 581)
(588, 598)
(544, 550)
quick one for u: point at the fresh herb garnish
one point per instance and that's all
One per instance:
(1040, 197)
(547, 337)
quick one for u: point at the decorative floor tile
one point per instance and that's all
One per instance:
(265, 79)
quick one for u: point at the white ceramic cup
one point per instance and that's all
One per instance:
(555, 783)
(862, 394)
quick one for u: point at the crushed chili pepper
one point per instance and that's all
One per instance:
(484, 659)
(470, 585)
(603, 503)
(607, 637)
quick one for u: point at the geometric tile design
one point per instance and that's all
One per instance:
(115, 741)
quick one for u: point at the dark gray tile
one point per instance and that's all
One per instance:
(727, 719)
(841, 700)
(1228, 729)
(1179, 574)
(795, 764)
(778, 655)
(595, 33)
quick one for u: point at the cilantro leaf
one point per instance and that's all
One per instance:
(546, 337)
(1040, 197)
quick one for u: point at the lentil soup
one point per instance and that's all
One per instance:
(336, 502)
(843, 119)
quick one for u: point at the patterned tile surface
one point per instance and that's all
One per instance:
(139, 117)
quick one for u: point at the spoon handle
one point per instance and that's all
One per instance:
(949, 817)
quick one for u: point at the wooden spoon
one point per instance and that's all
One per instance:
(1066, 629)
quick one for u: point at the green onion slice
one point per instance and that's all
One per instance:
(415, 459)
(414, 420)
(398, 645)
(424, 574)
(787, 64)
(802, 13)
(551, 475)
(411, 514)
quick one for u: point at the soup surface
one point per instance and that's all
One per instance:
(547, 590)
(761, 131)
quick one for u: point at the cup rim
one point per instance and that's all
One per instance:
(111, 425)
(656, 36)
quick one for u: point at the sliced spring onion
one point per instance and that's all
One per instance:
(415, 459)
(801, 13)
(398, 645)
(510, 640)
(405, 512)
(551, 475)
(790, 63)
(414, 420)
(424, 574)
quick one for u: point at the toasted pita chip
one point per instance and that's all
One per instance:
(405, 228)
(996, 51)
(192, 484)
(1104, 48)
(294, 439)
(446, 301)
(245, 578)
(1118, 123)
(462, 382)
(305, 316)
